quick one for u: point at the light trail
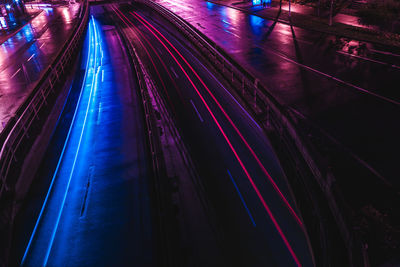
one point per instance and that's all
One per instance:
(271, 180)
(266, 207)
(93, 89)
(93, 41)
(119, 14)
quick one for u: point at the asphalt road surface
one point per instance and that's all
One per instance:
(94, 210)
(347, 88)
(257, 217)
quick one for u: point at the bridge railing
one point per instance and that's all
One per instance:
(21, 131)
(272, 116)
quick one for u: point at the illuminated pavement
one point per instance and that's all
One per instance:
(27, 54)
(257, 218)
(96, 211)
(15, 26)
(342, 85)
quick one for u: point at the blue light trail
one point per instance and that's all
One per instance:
(41, 241)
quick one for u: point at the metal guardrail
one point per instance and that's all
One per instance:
(272, 116)
(166, 231)
(23, 128)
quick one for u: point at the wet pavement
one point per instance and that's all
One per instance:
(258, 223)
(299, 9)
(90, 204)
(341, 85)
(25, 56)
(16, 25)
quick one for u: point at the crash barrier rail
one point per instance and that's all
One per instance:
(272, 116)
(167, 231)
(21, 131)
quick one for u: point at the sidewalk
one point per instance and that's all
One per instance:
(305, 16)
(18, 24)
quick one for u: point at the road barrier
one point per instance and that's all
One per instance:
(21, 131)
(274, 117)
(167, 231)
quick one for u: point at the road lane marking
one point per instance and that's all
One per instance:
(242, 199)
(226, 22)
(42, 45)
(12, 76)
(234, 34)
(29, 59)
(198, 114)
(87, 188)
(102, 76)
(173, 71)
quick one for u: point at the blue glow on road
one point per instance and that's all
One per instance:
(93, 88)
(210, 5)
(93, 68)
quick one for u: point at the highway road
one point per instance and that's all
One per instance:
(347, 88)
(90, 205)
(256, 214)
(26, 55)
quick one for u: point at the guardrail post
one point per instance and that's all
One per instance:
(255, 93)
(12, 157)
(364, 248)
(255, 98)
(242, 85)
(43, 96)
(35, 111)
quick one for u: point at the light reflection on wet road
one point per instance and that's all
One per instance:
(328, 79)
(258, 44)
(25, 56)
(257, 217)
